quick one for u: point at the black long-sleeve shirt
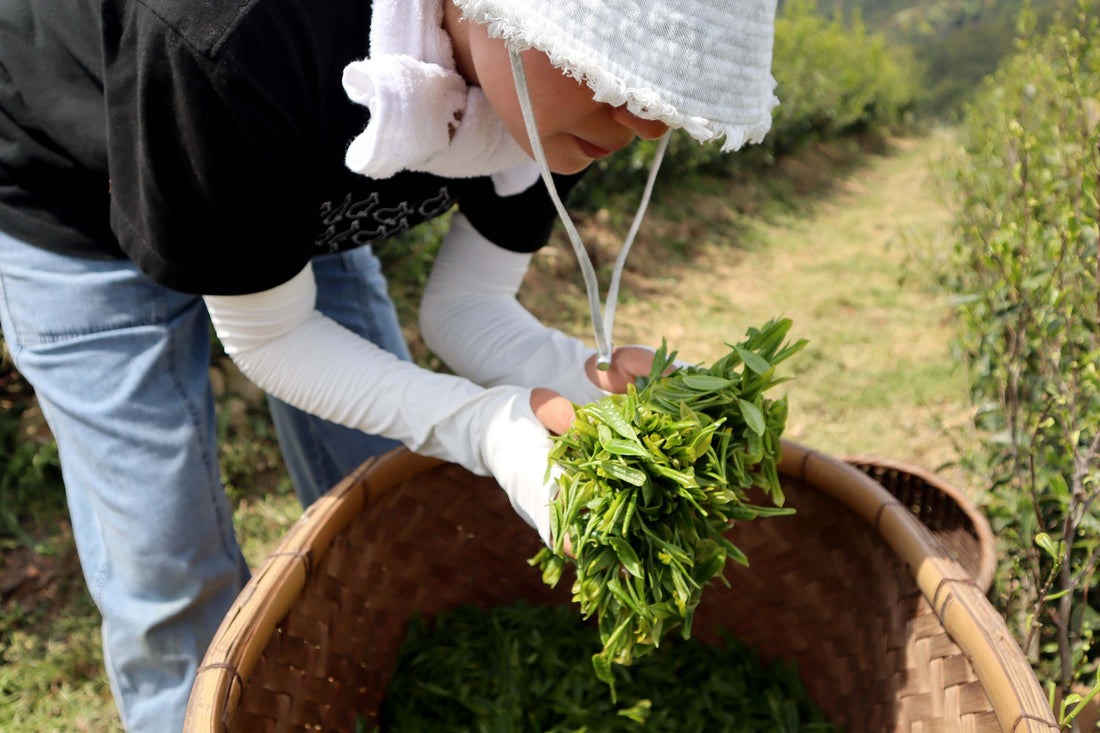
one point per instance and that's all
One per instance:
(205, 140)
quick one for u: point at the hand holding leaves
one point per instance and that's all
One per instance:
(651, 480)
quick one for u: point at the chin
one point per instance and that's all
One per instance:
(567, 165)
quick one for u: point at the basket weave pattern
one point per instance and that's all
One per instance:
(870, 651)
(945, 511)
(431, 544)
(312, 641)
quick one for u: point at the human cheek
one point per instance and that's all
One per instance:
(563, 107)
(494, 75)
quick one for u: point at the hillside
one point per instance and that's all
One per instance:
(955, 42)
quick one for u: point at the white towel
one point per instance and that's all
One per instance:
(423, 115)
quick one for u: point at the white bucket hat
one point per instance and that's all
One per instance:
(703, 66)
(700, 65)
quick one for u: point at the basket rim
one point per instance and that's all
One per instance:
(960, 605)
(267, 597)
(987, 543)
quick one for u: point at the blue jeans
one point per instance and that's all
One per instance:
(120, 366)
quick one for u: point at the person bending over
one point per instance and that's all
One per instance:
(165, 164)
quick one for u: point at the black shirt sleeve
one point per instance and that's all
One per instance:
(520, 223)
(214, 146)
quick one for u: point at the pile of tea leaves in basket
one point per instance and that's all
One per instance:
(524, 669)
(651, 479)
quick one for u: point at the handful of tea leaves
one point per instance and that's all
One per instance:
(650, 481)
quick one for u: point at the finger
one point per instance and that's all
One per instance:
(634, 360)
(627, 363)
(552, 410)
(638, 360)
(567, 546)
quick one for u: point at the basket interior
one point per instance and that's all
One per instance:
(958, 526)
(823, 589)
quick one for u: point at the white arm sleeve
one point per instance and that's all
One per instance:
(470, 317)
(292, 351)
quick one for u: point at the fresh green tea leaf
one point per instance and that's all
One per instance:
(753, 416)
(705, 382)
(752, 360)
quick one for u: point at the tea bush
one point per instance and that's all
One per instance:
(834, 78)
(1025, 267)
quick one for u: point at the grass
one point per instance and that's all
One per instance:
(51, 662)
(52, 678)
(843, 255)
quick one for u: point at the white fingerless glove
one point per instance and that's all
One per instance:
(517, 449)
(297, 354)
(470, 318)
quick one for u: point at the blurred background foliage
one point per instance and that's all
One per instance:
(835, 78)
(1024, 185)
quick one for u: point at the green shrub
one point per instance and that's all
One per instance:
(833, 79)
(30, 471)
(1025, 267)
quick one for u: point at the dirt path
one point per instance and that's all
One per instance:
(877, 376)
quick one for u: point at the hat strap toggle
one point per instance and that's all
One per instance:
(601, 326)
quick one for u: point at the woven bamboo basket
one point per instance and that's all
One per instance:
(885, 616)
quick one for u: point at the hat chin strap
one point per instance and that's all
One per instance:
(601, 326)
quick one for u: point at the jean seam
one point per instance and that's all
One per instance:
(103, 572)
(97, 581)
(362, 295)
(211, 469)
(18, 343)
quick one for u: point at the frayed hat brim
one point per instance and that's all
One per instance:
(700, 65)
